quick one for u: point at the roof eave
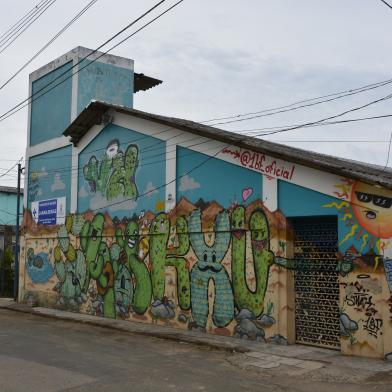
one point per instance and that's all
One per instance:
(94, 112)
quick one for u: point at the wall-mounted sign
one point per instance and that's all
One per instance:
(49, 212)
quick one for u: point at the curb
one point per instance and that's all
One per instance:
(175, 335)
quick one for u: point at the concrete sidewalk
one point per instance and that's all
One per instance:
(294, 360)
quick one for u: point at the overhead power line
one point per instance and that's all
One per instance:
(387, 4)
(389, 152)
(304, 125)
(73, 20)
(266, 130)
(24, 27)
(31, 98)
(12, 167)
(163, 185)
(147, 159)
(21, 20)
(245, 132)
(294, 106)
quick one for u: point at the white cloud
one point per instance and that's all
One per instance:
(150, 189)
(38, 174)
(100, 202)
(82, 192)
(188, 183)
(57, 185)
(43, 172)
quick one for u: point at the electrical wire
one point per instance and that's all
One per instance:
(349, 92)
(21, 20)
(25, 27)
(246, 132)
(16, 164)
(387, 97)
(163, 185)
(326, 123)
(73, 20)
(76, 170)
(289, 107)
(389, 152)
(153, 147)
(387, 4)
(31, 98)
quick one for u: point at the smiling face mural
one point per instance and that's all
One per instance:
(372, 207)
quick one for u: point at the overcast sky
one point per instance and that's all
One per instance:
(224, 57)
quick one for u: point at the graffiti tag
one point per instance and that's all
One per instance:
(261, 163)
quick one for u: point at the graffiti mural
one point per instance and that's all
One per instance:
(188, 266)
(208, 267)
(114, 174)
(217, 260)
(38, 266)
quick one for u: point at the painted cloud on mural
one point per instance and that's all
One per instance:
(57, 185)
(82, 192)
(98, 202)
(150, 189)
(188, 183)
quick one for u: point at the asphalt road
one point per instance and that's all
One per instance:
(45, 355)
(40, 354)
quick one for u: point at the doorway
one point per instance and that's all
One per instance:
(316, 281)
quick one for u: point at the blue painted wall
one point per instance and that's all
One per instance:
(214, 179)
(149, 175)
(296, 201)
(50, 176)
(8, 208)
(104, 82)
(51, 113)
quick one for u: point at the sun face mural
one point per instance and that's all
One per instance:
(372, 207)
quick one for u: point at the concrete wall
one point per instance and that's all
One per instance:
(175, 229)
(51, 109)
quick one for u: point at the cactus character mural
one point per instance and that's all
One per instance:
(163, 255)
(70, 265)
(204, 265)
(208, 267)
(162, 266)
(129, 243)
(114, 175)
(262, 259)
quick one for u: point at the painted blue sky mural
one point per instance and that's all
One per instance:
(296, 201)
(50, 176)
(215, 180)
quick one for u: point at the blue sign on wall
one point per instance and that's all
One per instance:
(49, 212)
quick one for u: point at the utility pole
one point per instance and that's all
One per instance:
(16, 254)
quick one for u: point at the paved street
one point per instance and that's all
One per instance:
(42, 354)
